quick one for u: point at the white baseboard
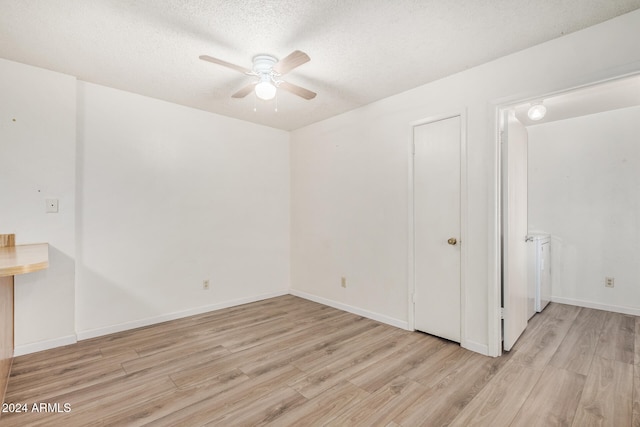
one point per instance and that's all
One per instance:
(469, 345)
(475, 347)
(598, 306)
(92, 333)
(21, 350)
(351, 309)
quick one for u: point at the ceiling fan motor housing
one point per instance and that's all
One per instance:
(263, 64)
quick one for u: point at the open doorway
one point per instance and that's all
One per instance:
(582, 189)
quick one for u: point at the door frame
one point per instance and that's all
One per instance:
(496, 108)
(463, 218)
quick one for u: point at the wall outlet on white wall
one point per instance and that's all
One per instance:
(343, 282)
(52, 205)
(608, 282)
(205, 285)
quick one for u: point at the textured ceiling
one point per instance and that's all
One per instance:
(361, 51)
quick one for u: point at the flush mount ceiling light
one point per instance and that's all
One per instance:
(537, 111)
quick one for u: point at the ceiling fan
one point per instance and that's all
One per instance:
(268, 71)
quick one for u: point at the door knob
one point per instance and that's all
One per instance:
(452, 241)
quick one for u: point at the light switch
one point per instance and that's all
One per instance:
(52, 205)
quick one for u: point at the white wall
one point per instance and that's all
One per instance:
(154, 198)
(584, 189)
(169, 196)
(350, 173)
(37, 152)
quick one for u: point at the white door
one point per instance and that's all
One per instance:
(436, 186)
(514, 229)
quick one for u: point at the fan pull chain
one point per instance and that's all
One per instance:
(254, 102)
(276, 109)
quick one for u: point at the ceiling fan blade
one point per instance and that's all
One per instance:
(295, 59)
(226, 64)
(244, 91)
(297, 90)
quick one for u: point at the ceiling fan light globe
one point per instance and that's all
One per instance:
(265, 90)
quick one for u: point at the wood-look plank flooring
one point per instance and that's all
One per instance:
(291, 362)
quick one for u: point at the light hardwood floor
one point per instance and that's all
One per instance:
(287, 361)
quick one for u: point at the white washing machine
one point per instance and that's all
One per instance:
(539, 272)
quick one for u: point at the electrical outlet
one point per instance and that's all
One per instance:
(343, 282)
(608, 282)
(205, 285)
(52, 205)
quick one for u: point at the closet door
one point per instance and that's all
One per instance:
(437, 227)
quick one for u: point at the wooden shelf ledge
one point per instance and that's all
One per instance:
(23, 259)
